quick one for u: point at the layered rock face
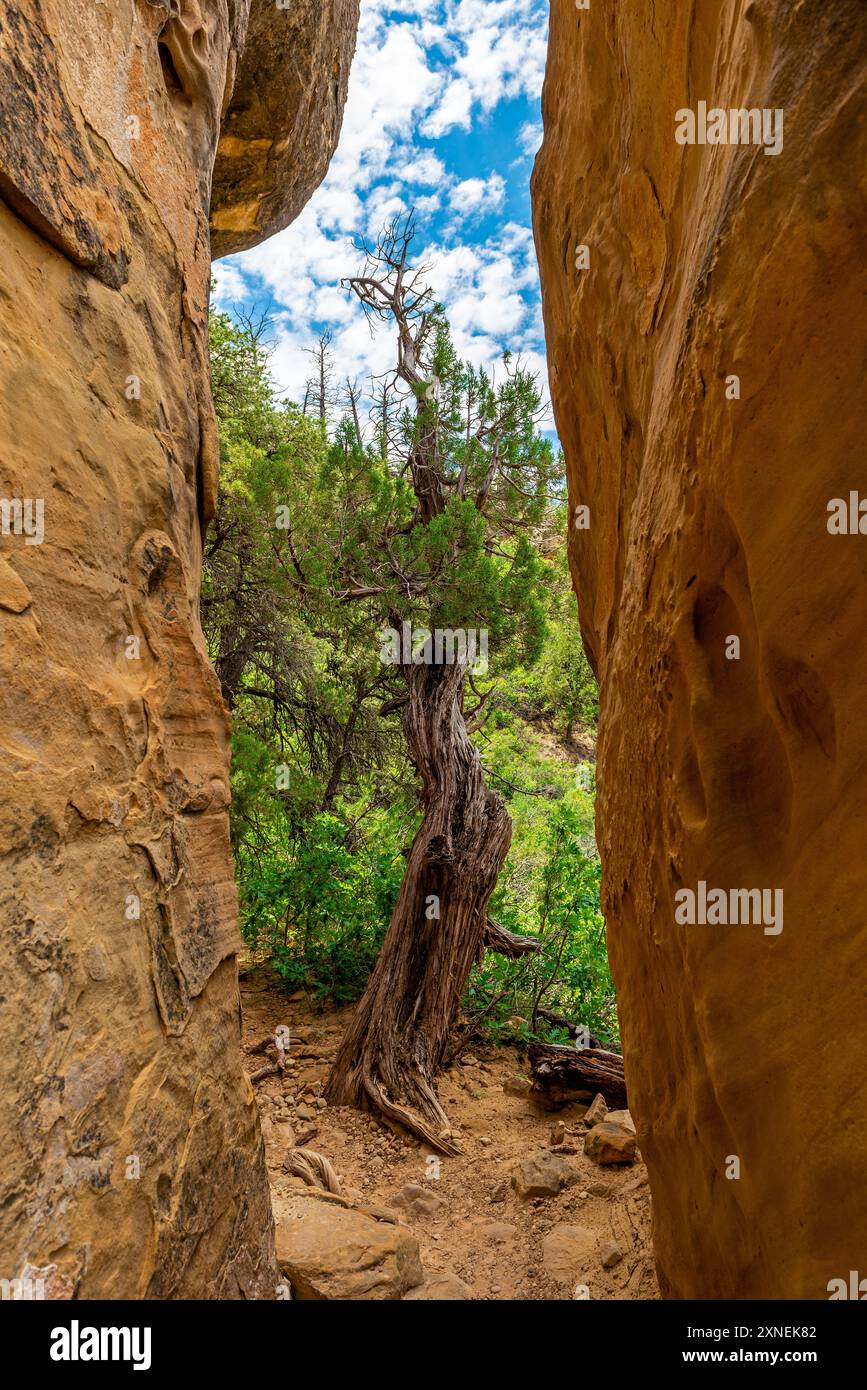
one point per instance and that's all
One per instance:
(130, 1154)
(706, 353)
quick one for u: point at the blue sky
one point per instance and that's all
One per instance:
(442, 115)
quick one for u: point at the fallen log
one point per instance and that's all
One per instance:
(507, 943)
(573, 1029)
(564, 1074)
(269, 1069)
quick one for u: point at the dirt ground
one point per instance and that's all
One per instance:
(501, 1246)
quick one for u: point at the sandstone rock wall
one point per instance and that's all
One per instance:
(131, 1163)
(708, 520)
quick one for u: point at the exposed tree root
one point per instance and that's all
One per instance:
(313, 1168)
(412, 1123)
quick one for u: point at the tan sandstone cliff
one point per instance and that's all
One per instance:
(708, 520)
(131, 1163)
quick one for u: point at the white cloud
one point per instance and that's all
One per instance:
(500, 52)
(229, 285)
(477, 196)
(425, 168)
(530, 137)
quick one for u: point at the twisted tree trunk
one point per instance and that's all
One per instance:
(395, 1044)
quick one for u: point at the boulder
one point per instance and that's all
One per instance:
(620, 1117)
(284, 114)
(610, 1143)
(330, 1251)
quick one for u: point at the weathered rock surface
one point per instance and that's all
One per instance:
(328, 1250)
(708, 519)
(440, 1288)
(519, 1086)
(595, 1112)
(569, 1252)
(284, 117)
(131, 1159)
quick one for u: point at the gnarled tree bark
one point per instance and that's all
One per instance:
(395, 1044)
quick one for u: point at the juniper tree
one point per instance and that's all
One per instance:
(427, 531)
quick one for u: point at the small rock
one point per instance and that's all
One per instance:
(305, 1112)
(500, 1192)
(596, 1112)
(485, 1140)
(498, 1231)
(630, 1187)
(470, 1061)
(543, 1174)
(517, 1086)
(610, 1254)
(558, 1133)
(321, 1103)
(609, 1143)
(440, 1288)
(417, 1200)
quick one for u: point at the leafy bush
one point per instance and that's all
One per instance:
(319, 912)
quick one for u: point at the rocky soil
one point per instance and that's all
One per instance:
(521, 1214)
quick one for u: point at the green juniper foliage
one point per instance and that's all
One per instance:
(316, 550)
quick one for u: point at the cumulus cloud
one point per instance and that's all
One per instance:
(530, 137)
(499, 52)
(476, 196)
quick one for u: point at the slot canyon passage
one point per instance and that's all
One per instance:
(121, 1026)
